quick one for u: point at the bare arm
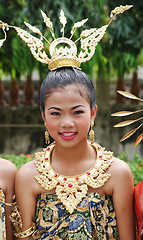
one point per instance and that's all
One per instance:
(123, 201)
(25, 197)
(9, 180)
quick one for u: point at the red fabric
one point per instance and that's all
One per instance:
(138, 193)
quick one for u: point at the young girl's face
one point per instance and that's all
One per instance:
(68, 115)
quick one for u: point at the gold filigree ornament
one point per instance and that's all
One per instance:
(63, 50)
(71, 189)
(128, 122)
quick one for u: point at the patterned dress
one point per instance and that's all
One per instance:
(2, 216)
(94, 218)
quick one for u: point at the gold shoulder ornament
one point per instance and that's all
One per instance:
(63, 50)
(71, 189)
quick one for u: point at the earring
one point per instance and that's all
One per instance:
(47, 137)
(91, 132)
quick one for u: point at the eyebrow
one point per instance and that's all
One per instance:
(56, 108)
(77, 106)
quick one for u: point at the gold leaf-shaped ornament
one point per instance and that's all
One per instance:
(121, 9)
(80, 23)
(129, 134)
(88, 44)
(32, 28)
(35, 44)
(139, 139)
(129, 95)
(1, 42)
(87, 32)
(125, 113)
(47, 20)
(122, 114)
(62, 18)
(128, 122)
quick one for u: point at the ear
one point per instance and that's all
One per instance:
(43, 116)
(93, 113)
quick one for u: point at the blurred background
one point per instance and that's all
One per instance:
(117, 65)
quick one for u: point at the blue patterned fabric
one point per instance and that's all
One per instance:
(2, 216)
(94, 218)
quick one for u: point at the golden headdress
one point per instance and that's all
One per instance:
(63, 50)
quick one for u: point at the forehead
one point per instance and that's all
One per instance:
(72, 93)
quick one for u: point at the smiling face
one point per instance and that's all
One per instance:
(68, 115)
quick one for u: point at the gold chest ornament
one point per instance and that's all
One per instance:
(71, 189)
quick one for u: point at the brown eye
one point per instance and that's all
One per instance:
(78, 112)
(55, 114)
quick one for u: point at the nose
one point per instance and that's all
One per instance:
(67, 122)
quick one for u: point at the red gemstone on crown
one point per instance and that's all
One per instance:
(99, 148)
(77, 178)
(65, 179)
(100, 156)
(55, 175)
(46, 159)
(88, 173)
(70, 185)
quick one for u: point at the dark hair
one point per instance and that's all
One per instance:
(62, 77)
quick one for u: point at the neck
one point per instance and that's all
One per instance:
(79, 153)
(73, 160)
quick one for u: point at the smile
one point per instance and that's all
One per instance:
(68, 135)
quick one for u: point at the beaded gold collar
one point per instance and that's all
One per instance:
(71, 189)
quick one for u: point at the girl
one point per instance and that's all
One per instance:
(74, 189)
(7, 178)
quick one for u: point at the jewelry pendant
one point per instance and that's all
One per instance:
(71, 190)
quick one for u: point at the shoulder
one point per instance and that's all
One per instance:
(7, 167)
(25, 183)
(121, 174)
(27, 171)
(7, 175)
(120, 167)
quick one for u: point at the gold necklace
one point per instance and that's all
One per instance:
(71, 189)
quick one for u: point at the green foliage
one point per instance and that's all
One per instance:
(136, 167)
(123, 62)
(17, 160)
(29, 11)
(11, 52)
(118, 50)
(125, 37)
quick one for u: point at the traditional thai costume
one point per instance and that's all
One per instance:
(71, 212)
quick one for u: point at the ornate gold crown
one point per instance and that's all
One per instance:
(63, 50)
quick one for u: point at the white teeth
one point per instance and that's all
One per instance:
(67, 134)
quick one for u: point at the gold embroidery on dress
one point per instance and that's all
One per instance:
(71, 189)
(2, 216)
